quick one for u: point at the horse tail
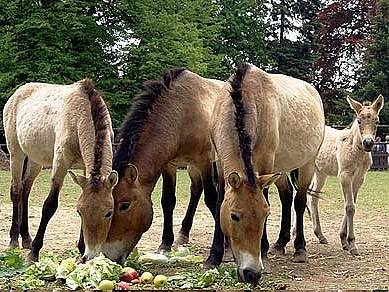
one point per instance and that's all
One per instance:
(102, 125)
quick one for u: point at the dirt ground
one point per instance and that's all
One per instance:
(328, 267)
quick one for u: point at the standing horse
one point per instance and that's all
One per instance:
(168, 123)
(263, 123)
(346, 154)
(60, 126)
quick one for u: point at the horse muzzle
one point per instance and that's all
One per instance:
(368, 144)
(249, 276)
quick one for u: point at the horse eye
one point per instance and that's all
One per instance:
(78, 212)
(109, 214)
(124, 207)
(235, 217)
(359, 121)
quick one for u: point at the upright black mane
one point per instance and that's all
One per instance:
(240, 114)
(137, 117)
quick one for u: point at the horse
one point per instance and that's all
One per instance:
(60, 126)
(168, 123)
(262, 124)
(346, 154)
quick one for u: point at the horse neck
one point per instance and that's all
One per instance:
(156, 147)
(87, 141)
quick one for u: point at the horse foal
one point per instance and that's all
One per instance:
(346, 154)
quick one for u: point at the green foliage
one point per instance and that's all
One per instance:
(11, 262)
(292, 37)
(374, 77)
(242, 37)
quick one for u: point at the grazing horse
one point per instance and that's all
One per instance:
(264, 123)
(60, 126)
(346, 154)
(168, 123)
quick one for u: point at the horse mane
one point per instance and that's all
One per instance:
(240, 114)
(137, 117)
(100, 116)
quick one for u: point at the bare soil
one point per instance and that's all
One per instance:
(328, 267)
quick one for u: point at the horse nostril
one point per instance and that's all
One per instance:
(250, 276)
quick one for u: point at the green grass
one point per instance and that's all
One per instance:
(373, 194)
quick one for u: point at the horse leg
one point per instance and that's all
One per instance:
(317, 185)
(196, 188)
(49, 207)
(264, 240)
(285, 191)
(81, 243)
(168, 202)
(357, 183)
(217, 249)
(32, 172)
(349, 207)
(300, 202)
(16, 190)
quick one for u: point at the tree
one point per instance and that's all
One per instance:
(242, 37)
(292, 37)
(170, 33)
(55, 41)
(341, 39)
(374, 74)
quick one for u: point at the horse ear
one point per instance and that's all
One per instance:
(78, 179)
(234, 180)
(267, 179)
(355, 105)
(113, 178)
(131, 173)
(378, 104)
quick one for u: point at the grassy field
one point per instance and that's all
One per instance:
(328, 266)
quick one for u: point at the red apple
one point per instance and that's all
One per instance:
(129, 274)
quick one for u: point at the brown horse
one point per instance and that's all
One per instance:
(263, 123)
(346, 154)
(60, 126)
(168, 123)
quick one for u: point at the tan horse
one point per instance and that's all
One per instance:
(346, 154)
(168, 123)
(263, 123)
(60, 126)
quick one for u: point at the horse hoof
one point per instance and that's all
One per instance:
(354, 252)
(345, 246)
(211, 263)
(27, 243)
(277, 250)
(14, 243)
(181, 239)
(266, 266)
(300, 256)
(32, 258)
(163, 248)
(323, 240)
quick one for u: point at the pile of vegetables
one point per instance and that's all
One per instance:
(101, 273)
